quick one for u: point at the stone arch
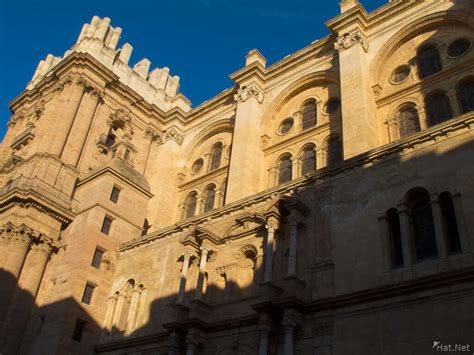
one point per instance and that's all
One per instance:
(223, 125)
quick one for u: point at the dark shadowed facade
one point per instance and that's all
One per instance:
(322, 206)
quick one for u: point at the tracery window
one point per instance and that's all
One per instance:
(408, 121)
(466, 97)
(439, 109)
(216, 155)
(308, 159)
(285, 167)
(309, 114)
(429, 62)
(190, 205)
(334, 151)
(421, 223)
(210, 198)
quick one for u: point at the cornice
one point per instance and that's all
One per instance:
(364, 160)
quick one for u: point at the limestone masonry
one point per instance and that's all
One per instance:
(323, 205)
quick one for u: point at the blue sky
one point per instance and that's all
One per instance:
(202, 41)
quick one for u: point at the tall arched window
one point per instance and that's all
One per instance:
(333, 151)
(466, 97)
(190, 204)
(422, 225)
(438, 109)
(450, 224)
(429, 62)
(210, 198)
(285, 167)
(409, 121)
(308, 159)
(396, 251)
(309, 114)
(216, 155)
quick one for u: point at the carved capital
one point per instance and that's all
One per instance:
(154, 135)
(120, 118)
(67, 81)
(347, 40)
(246, 92)
(43, 248)
(174, 134)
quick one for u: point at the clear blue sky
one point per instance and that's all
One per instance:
(202, 41)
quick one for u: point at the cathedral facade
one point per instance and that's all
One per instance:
(322, 205)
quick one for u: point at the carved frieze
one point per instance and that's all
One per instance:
(347, 40)
(246, 92)
(174, 134)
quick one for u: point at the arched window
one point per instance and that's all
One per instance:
(450, 224)
(247, 263)
(210, 198)
(334, 151)
(422, 225)
(438, 109)
(110, 139)
(216, 155)
(308, 159)
(309, 114)
(409, 121)
(285, 167)
(466, 97)
(428, 61)
(396, 251)
(190, 205)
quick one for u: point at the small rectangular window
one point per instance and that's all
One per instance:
(115, 194)
(96, 260)
(126, 156)
(88, 292)
(78, 330)
(106, 225)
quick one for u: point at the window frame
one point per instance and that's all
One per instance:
(106, 226)
(88, 293)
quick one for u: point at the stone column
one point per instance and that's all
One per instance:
(385, 241)
(81, 125)
(438, 225)
(110, 313)
(292, 245)
(321, 159)
(295, 168)
(41, 254)
(289, 326)
(453, 98)
(405, 235)
(271, 227)
(18, 248)
(424, 123)
(173, 343)
(458, 210)
(264, 329)
(202, 272)
(117, 312)
(69, 101)
(132, 313)
(5, 237)
(184, 272)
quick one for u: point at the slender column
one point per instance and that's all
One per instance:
(184, 272)
(118, 312)
(69, 101)
(173, 343)
(405, 236)
(453, 98)
(385, 241)
(265, 329)
(296, 168)
(438, 224)
(271, 227)
(202, 272)
(110, 313)
(140, 320)
(81, 125)
(289, 326)
(292, 245)
(19, 246)
(424, 123)
(132, 313)
(321, 160)
(458, 210)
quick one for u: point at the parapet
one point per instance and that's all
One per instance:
(100, 40)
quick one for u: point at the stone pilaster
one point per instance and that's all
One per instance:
(289, 327)
(292, 245)
(132, 313)
(438, 225)
(405, 235)
(268, 273)
(184, 273)
(202, 272)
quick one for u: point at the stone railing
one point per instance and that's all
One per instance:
(39, 187)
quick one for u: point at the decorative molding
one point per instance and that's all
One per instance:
(347, 40)
(121, 117)
(246, 92)
(154, 135)
(174, 134)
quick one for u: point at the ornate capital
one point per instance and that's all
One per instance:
(121, 118)
(154, 135)
(174, 134)
(246, 92)
(43, 248)
(63, 83)
(347, 40)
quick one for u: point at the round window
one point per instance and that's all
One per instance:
(459, 48)
(197, 165)
(332, 105)
(286, 126)
(400, 74)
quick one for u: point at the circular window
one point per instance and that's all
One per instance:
(197, 165)
(400, 74)
(459, 48)
(332, 105)
(286, 126)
